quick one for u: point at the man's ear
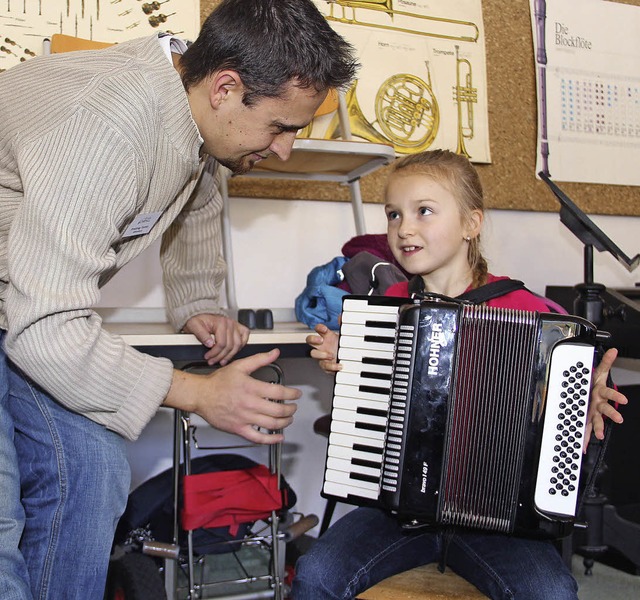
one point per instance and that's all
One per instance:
(222, 85)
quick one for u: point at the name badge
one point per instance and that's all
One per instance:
(142, 224)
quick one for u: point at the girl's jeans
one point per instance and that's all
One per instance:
(367, 546)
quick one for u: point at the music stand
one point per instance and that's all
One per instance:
(605, 527)
(589, 303)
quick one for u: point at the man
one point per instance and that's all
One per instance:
(101, 153)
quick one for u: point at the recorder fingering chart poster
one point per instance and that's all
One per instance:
(588, 80)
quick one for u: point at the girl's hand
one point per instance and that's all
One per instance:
(325, 348)
(601, 396)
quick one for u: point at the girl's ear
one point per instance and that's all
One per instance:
(474, 223)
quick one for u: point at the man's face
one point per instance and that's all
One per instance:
(241, 135)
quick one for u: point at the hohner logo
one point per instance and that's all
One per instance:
(437, 341)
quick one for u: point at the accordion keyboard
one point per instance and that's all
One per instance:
(361, 399)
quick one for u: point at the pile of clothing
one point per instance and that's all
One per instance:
(366, 267)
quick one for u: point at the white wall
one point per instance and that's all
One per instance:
(276, 243)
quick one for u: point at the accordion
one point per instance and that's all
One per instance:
(458, 415)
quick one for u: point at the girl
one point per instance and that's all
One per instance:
(434, 207)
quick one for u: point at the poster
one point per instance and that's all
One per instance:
(422, 84)
(588, 90)
(25, 24)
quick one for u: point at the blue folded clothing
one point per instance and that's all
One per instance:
(320, 301)
(320, 304)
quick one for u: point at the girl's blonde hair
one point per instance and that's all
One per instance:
(459, 176)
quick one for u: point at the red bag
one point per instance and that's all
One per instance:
(229, 498)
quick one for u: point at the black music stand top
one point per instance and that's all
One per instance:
(585, 229)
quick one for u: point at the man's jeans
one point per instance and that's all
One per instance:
(64, 482)
(367, 546)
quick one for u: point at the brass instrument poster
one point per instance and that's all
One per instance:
(422, 84)
(588, 80)
(25, 24)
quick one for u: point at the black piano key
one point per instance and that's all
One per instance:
(371, 411)
(379, 339)
(368, 360)
(361, 477)
(371, 375)
(366, 463)
(370, 389)
(366, 448)
(370, 426)
(381, 324)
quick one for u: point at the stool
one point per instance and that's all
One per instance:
(423, 583)
(322, 426)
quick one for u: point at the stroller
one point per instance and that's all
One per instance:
(214, 514)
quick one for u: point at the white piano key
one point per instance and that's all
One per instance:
(351, 416)
(353, 305)
(352, 341)
(357, 366)
(360, 330)
(352, 391)
(340, 490)
(344, 478)
(338, 439)
(363, 318)
(359, 379)
(351, 404)
(358, 354)
(349, 453)
(351, 429)
(345, 465)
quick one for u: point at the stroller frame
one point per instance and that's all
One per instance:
(274, 541)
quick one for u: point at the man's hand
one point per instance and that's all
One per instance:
(233, 401)
(224, 336)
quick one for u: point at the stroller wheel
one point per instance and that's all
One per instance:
(134, 576)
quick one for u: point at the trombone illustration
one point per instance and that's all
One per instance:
(407, 114)
(447, 29)
(465, 97)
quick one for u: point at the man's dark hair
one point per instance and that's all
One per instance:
(269, 43)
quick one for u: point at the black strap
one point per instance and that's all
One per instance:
(492, 290)
(484, 293)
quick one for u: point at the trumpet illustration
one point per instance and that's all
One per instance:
(465, 96)
(448, 29)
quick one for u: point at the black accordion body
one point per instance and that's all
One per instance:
(459, 415)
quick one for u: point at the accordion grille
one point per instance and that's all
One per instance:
(487, 419)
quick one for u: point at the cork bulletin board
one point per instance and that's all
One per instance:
(509, 181)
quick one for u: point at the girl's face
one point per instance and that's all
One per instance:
(425, 229)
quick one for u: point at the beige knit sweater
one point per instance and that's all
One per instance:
(89, 140)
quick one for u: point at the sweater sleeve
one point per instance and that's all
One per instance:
(191, 253)
(79, 193)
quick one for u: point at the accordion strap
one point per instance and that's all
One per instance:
(484, 293)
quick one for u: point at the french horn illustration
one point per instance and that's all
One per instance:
(407, 114)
